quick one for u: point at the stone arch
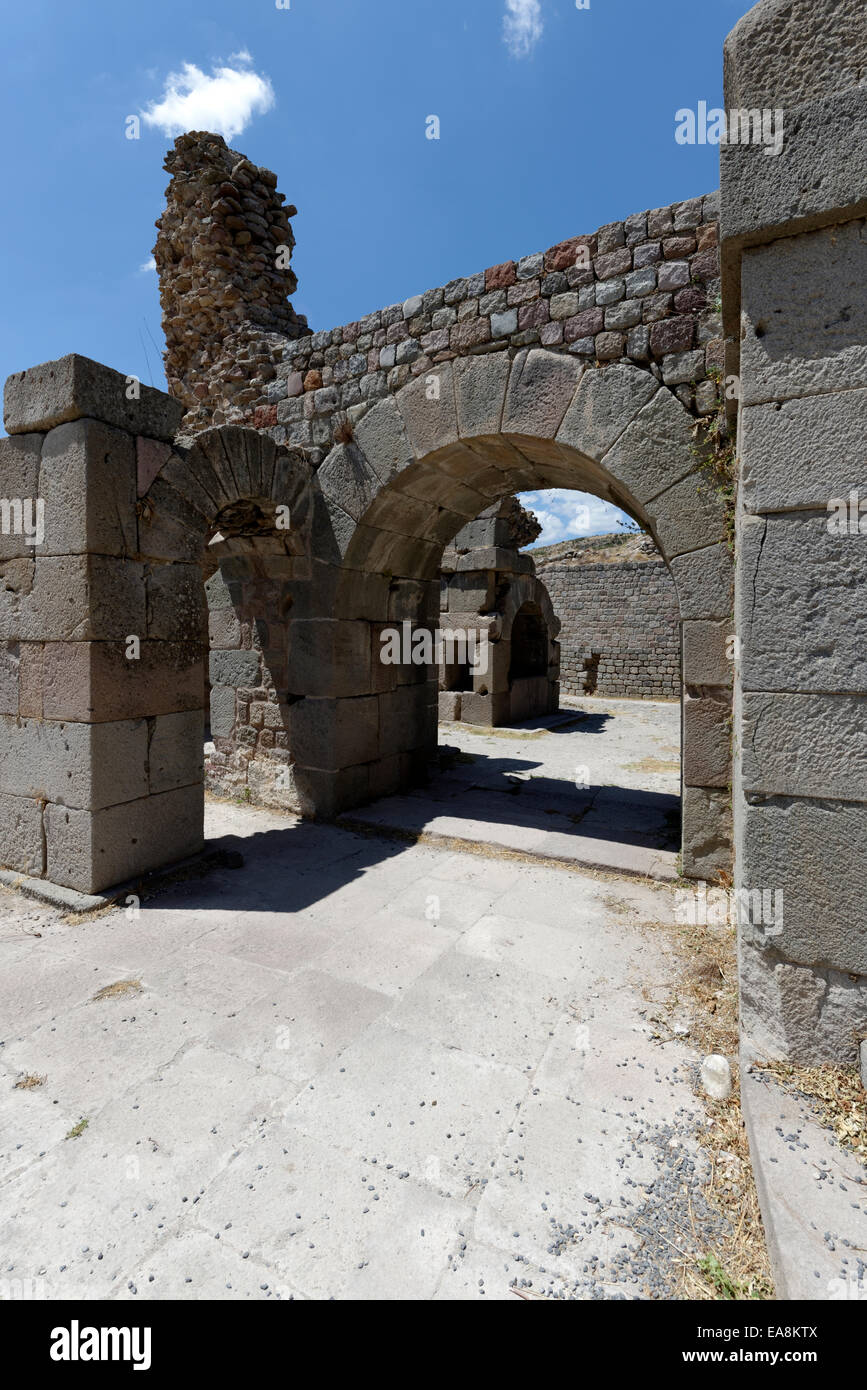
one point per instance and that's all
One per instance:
(235, 510)
(433, 456)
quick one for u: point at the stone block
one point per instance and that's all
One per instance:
(96, 682)
(805, 315)
(176, 610)
(788, 745)
(74, 387)
(403, 719)
(801, 619)
(235, 668)
(95, 850)
(798, 1013)
(330, 658)
(348, 479)
(175, 753)
(705, 658)
(224, 629)
(480, 391)
(19, 482)
(654, 452)
(707, 832)
(427, 405)
(21, 847)
(449, 707)
(808, 849)
(803, 453)
(541, 387)
(80, 765)
(705, 582)
(10, 657)
(706, 742)
(382, 437)
(75, 598)
(334, 734)
(87, 480)
(222, 712)
(688, 516)
(605, 404)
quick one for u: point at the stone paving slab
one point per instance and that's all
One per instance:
(349, 1069)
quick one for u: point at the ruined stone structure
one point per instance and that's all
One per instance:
(317, 480)
(619, 623)
(490, 589)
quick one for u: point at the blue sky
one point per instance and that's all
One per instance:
(554, 120)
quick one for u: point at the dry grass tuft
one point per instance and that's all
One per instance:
(119, 990)
(837, 1096)
(30, 1082)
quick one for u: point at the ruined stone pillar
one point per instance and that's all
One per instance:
(794, 250)
(101, 679)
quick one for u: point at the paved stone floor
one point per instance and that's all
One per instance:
(350, 1068)
(598, 784)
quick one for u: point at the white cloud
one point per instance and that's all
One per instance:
(522, 26)
(224, 102)
(149, 264)
(566, 515)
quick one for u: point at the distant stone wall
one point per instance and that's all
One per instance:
(619, 630)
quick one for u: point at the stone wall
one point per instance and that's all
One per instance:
(642, 291)
(620, 628)
(795, 257)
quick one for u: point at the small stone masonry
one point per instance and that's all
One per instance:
(100, 755)
(486, 583)
(794, 245)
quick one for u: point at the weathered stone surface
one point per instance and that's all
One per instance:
(175, 757)
(823, 897)
(428, 409)
(74, 387)
(81, 765)
(71, 598)
(96, 682)
(654, 451)
(794, 344)
(705, 657)
(803, 453)
(382, 437)
(87, 480)
(234, 668)
(604, 406)
(92, 851)
(19, 481)
(789, 744)
(707, 832)
(705, 582)
(348, 479)
(21, 835)
(802, 621)
(541, 387)
(798, 1013)
(688, 516)
(706, 742)
(334, 734)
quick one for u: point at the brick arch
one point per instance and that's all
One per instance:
(433, 456)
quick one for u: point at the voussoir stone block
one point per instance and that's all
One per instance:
(705, 582)
(427, 405)
(541, 388)
(348, 479)
(382, 437)
(688, 516)
(654, 451)
(606, 403)
(480, 392)
(73, 387)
